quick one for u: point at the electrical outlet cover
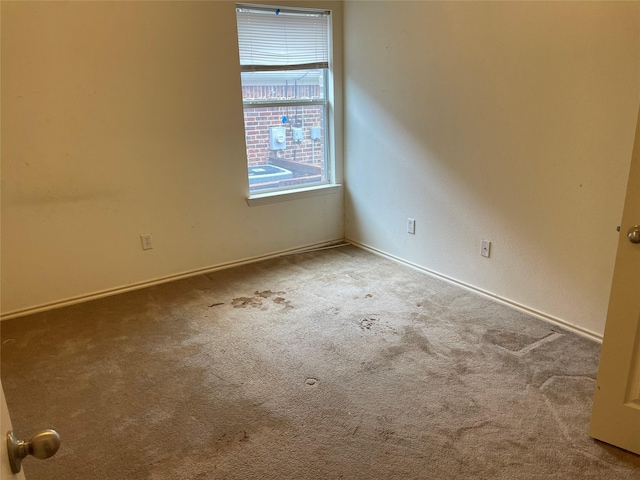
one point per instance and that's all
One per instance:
(146, 241)
(486, 248)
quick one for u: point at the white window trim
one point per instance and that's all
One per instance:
(293, 194)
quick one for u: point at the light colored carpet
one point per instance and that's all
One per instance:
(325, 365)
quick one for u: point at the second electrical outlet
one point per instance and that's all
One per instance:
(146, 241)
(486, 248)
(411, 226)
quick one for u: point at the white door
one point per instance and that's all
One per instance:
(5, 422)
(616, 410)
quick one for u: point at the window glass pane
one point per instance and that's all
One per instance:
(285, 146)
(283, 85)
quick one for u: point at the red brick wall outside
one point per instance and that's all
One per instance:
(258, 120)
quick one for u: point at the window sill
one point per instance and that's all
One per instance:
(285, 196)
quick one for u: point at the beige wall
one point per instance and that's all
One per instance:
(509, 121)
(122, 118)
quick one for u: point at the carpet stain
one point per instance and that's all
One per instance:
(333, 310)
(367, 323)
(373, 324)
(257, 301)
(244, 302)
(236, 437)
(267, 293)
(282, 301)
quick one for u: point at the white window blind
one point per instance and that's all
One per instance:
(271, 38)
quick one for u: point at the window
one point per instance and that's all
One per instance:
(284, 59)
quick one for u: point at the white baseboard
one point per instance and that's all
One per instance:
(160, 280)
(523, 308)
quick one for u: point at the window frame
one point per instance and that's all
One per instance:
(328, 184)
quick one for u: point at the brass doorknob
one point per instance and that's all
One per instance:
(634, 234)
(42, 445)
